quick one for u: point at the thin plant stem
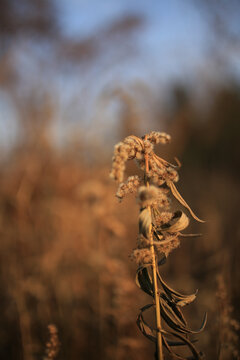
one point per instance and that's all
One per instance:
(155, 285)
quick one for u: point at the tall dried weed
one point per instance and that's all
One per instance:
(160, 231)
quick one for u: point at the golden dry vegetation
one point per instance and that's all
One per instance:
(66, 242)
(67, 280)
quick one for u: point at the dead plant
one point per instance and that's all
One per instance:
(160, 231)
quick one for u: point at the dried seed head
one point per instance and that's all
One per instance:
(142, 242)
(172, 174)
(148, 147)
(130, 186)
(163, 198)
(157, 180)
(163, 218)
(123, 151)
(142, 256)
(133, 147)
(147, 195)
(161, 171)
(166, 248)
(156, 137)
(153, 196)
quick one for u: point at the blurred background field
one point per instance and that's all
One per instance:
(75, 78)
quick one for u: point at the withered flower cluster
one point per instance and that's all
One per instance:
(53, 345)
(160, 230)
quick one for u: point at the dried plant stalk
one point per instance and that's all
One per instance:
(155, 285)
(159, 232)
(228, 326)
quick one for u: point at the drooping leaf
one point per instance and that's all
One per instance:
(145, 329)
(174, 307)
(169, 343)
(173, 354)
(195, 353)
(144, 280)
(168, 347)
(171, 319)
(166, 163)
(203, 324)
(162, 261)
(176, 194)
(150, 333)
(187, 300)
(176, 296)
(179, 343)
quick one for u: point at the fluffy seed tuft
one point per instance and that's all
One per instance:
(130, 186)
(147, 195)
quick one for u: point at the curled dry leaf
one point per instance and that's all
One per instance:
(145, 222)
(144, 280)
(174, 322)
(173, 294)
(170, 338)
(176, 194)
(145, 329)
(187, 300)
(178, 222)
(187, 342)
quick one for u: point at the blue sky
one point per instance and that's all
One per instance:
(175, 43)
(172, 45)
(173, 39)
